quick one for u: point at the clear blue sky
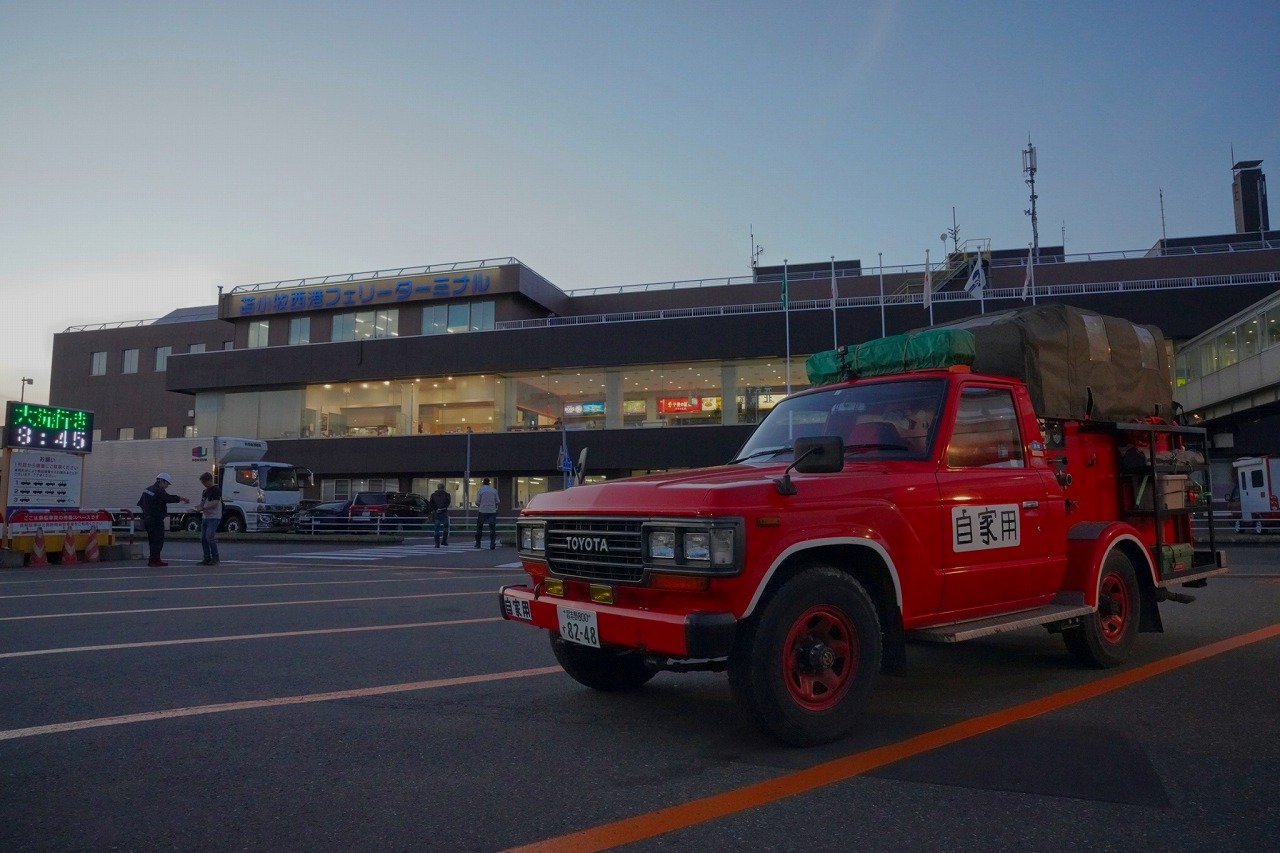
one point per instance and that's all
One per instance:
(153, 151)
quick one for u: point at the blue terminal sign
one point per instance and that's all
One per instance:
(365, 293)
(30, 425)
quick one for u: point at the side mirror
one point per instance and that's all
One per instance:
(823, 454)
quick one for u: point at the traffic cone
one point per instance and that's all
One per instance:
(38, 557)
(69, 548)
(91, 546)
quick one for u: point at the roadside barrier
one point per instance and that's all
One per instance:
(69, 548)
(91, 547)
(38, 557)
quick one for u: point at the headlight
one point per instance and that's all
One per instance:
(662, 545)
(694, 547)
(533, 537)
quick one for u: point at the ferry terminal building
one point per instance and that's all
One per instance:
(401, 379)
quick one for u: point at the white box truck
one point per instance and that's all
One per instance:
(1257, 478)
(257, 495)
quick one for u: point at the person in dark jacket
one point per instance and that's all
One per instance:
(440, 500)
(154, 503)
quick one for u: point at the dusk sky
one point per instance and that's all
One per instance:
(154, 151)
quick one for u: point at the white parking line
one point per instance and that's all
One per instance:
(379, 553)
(236, 606)
(233, 637)
(201, 710)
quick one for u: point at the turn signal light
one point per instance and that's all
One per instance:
(601, 594)
(684, 583)
(553, 586)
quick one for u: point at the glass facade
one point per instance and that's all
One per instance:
(1246, 339)
(636, 396)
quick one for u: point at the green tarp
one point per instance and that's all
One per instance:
(911, 351)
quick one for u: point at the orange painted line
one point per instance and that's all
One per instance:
(655, 823)
(201, 710)
(234, 637)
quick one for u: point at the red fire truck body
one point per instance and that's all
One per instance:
(933, 504)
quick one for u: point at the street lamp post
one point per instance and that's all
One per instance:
(466, 482)
(22, 395)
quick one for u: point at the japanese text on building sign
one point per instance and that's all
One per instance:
(362, 293)
(978, 528)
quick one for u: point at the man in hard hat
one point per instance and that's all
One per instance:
(154, 504)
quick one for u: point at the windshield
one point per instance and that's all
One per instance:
(895, 419)
(283, 479)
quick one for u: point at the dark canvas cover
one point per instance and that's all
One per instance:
(1077, 364)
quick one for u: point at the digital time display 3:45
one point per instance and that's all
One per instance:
(48, 427)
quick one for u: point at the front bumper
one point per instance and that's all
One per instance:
(684, 636)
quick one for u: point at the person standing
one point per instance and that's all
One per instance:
(154, 504)
(210, 518)
(440, 501)
(487, 513)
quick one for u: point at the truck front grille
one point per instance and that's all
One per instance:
(595, 549)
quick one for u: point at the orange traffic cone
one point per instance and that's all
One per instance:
(38, 557)
(69, 548)
(91, 547)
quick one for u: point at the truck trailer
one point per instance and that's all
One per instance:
(256, 495)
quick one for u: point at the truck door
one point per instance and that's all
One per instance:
(1001, 528)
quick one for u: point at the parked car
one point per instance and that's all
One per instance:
(329, 517)
(397, 511)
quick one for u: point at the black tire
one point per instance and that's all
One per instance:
(804, 667)
(609, 670)
(233, 524)
(1106, 637)
(191, 524)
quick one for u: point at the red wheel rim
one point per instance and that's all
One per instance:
(820, 658)
(1116, 620)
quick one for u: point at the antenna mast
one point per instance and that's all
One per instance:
(1163, 234)
(1029, 169)
(756, 251)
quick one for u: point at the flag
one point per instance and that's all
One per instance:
(977, 280)
(784, 287)
(1030, 276)
(928, 284)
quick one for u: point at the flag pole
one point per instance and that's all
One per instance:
(786, 319)
(835, 335)
(881, 261)
(928, 286)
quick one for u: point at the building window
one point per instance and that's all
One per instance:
(300, 330)
(125, 434)
(189, 431)
(228, 345)
(358, 325)
(97, 436)
(162, 358)
(160, 432)
(98, 364)
(129, 361)
(258, 333)
(196, 348)
(457, 317)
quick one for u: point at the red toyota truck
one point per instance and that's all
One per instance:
(1016, 470)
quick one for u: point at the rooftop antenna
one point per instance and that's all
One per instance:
(756, 251)
(954, 231)
(1029, 169)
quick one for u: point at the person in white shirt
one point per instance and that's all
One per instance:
(487, 513)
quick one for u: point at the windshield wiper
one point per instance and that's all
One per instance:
(768, 451)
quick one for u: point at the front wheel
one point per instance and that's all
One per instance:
(191, 524)
(233, 524)
(1107, 636)
(804, 667)
(601, 669)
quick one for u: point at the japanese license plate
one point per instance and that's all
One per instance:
(516, 608)
(579, 626)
